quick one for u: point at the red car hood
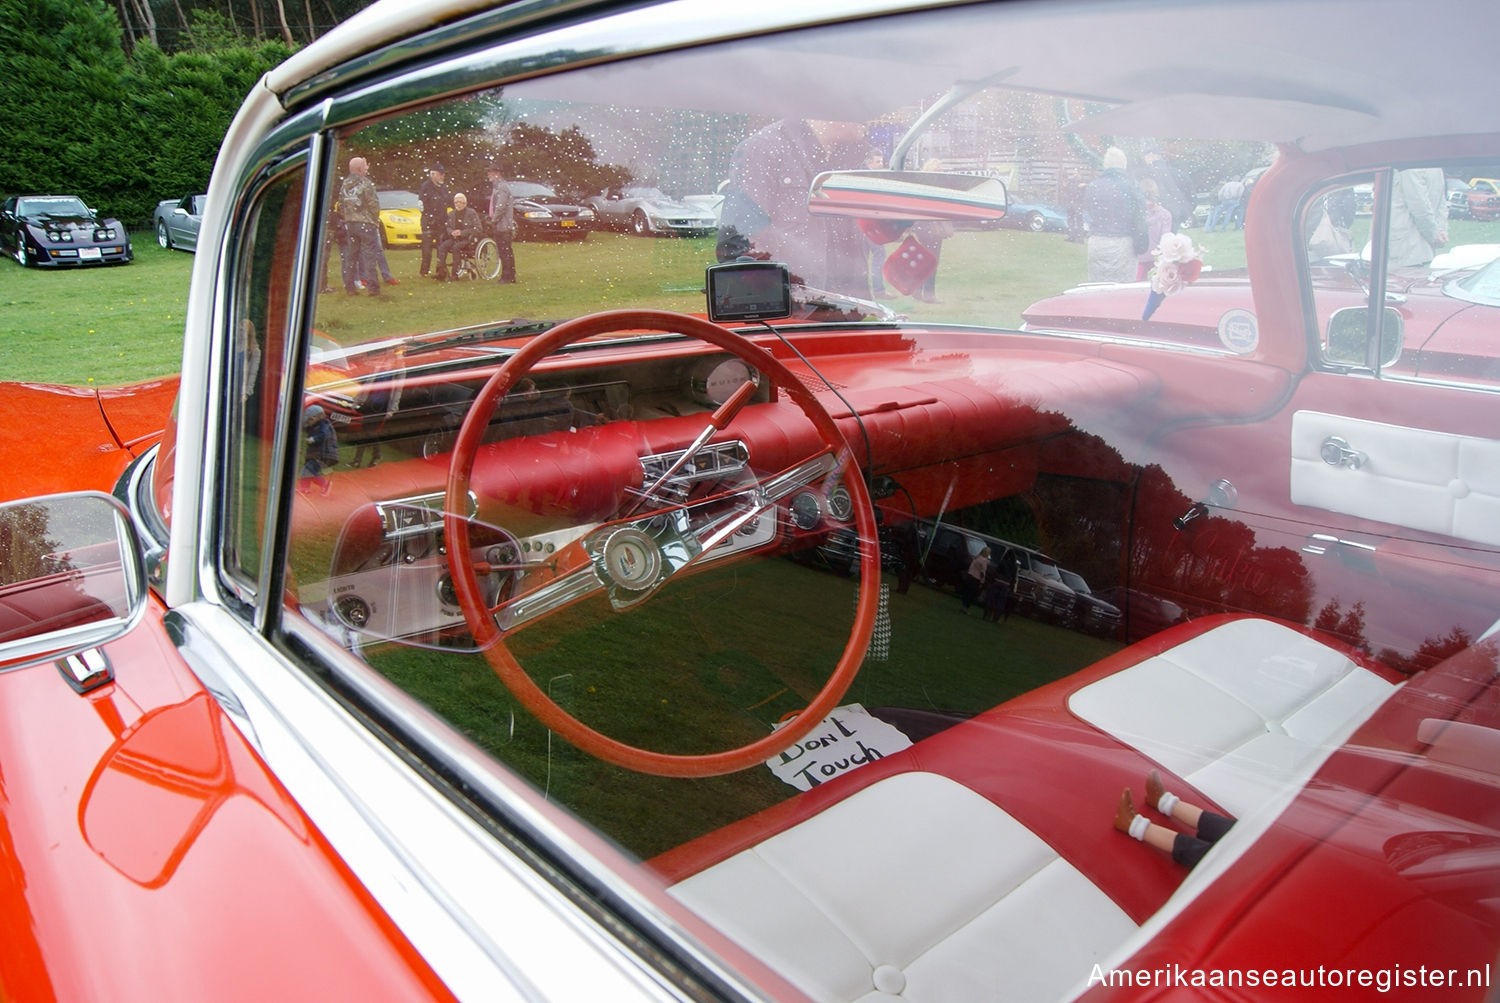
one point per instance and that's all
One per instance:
(61, 438)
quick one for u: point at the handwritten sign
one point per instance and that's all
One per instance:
(845, 740)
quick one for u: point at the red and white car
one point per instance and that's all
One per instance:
(455, 646)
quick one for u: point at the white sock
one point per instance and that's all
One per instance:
(1167, 802)
(1138, 827)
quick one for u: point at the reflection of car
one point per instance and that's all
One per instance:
(177, 222)
(545, 706)
(1441, 316)
(649, 212)
(1034, 216)
(542, 214)
(1458, 199)
(400, 218)
(1090, 612)
(1484, 198)
(59, 231)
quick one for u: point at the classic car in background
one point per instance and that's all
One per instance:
(400, 218)
(177, 221)
(650, 212)
(482, 642)
(59, 231)
(1034, 216)
(542, 214)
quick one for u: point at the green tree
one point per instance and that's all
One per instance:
(61, 108)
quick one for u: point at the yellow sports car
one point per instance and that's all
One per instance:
(400, 218)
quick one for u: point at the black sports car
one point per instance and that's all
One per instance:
(543, 214)
(60, 231)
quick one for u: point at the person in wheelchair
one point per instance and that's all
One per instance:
(461, 230)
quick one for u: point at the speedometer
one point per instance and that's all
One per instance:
(715, 379)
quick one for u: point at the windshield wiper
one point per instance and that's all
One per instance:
(480, 335)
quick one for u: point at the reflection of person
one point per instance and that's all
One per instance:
(765, 213)
(996, 596)
(320, 446)
(1115, 222)
(875, 161)
(1419, 216)
(360, 207)
(462, 227)
(1168, 187)
(381, 404)
(1186, 849)
(972, 582)
(1230, 193)
(1158, 224)
(435, 199)
(931, 233)
(1075, 197)
(502, 221)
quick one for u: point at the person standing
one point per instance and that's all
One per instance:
(1168, 188)
(1158, 224)
(360, 207)
(765, 212)
(502, 221)
(1230, 193)
(1419, 216)
(436, 200)
(1116, 222)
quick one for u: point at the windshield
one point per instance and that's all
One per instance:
(399, 200)
(62, 206)
(1482, 287)
(617, 492)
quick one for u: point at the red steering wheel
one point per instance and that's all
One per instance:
(627, 533)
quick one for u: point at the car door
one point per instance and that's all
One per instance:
(1386, 480)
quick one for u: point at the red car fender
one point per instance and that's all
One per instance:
(144, 844)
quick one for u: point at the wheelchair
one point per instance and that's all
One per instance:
(481, 260)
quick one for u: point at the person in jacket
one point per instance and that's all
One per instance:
(460, 231)
(1117, 231)
(360, 207)
(502, 221)
(436, 201)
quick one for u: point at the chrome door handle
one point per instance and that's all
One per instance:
(1336, 452)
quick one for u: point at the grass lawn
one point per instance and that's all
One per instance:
(690, 671)
(105, 326)
(110, 326)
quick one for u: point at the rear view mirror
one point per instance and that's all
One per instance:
(1348, 335)
(907, 195)
(71, 576)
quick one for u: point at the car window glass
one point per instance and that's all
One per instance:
(261, 314)
(1436, 322)
(642, 533)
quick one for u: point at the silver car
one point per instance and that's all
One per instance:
(650, 212)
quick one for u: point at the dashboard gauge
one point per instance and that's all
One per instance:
(714, 380)
(807, 511)
(632, 560)
(353, 610)
(840, 503)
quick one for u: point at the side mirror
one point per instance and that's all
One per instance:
(1348, 334)
(907, 195)
(71, 576)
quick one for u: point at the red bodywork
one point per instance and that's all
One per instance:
(143, 842)
(58, 438)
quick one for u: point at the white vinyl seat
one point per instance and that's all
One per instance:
(918, 888)
(1242, 711)
(915, 888)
